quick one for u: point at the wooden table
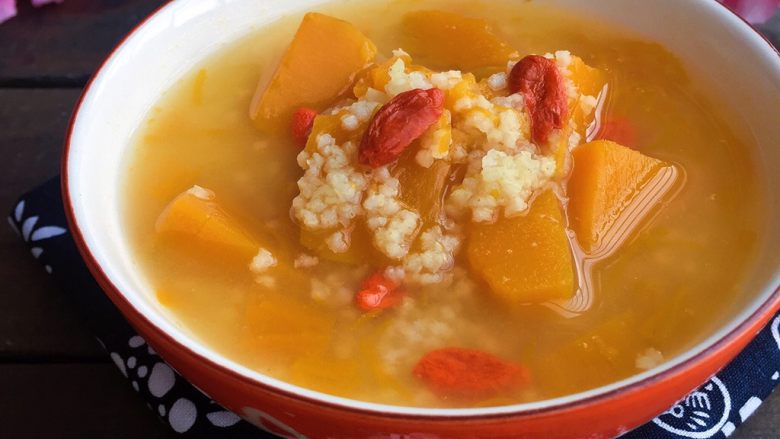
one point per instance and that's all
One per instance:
(55, 380)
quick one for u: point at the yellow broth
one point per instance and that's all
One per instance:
(666, 289)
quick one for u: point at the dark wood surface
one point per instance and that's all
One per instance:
(55, 381)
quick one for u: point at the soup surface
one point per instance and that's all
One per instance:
(506, 327)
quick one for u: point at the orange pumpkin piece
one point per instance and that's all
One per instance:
(286, 326)
(319, 65)
(590, 82)
(422, 189)
(444, 40)
(525, 259)
(605, 179)
(361, 249)
(378, 75)
(196, 214)
(330, 124)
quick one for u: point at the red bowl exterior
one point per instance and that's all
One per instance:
(295, 416)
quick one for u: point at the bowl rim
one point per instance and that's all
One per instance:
(686, 360)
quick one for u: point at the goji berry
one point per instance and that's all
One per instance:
(399, 123)
(378, 292)
(618, 129)
(468, 373)
(544, 93)
(302, 122)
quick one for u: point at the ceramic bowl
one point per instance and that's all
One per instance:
(738, 64)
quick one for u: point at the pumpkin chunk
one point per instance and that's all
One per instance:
(285, 327)
(589, 81)
(319, 65)
(378, 76)
(422, 189)
(196, 214)
(360, 251)
(443, 40)
(525, 259)
(326, 124)
(605, 179)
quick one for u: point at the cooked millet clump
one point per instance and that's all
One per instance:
(331, 188)
(488, 133)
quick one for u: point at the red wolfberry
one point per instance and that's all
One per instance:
(378, 292)
(302, 122)
(468, 373)
(618, 129)
(399, 123)
(544, 93)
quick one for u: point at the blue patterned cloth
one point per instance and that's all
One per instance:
(715, 410)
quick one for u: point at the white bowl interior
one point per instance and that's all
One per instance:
(743, 69)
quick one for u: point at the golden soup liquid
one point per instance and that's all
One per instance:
(668, 287)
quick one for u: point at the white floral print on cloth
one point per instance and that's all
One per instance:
(156, 380)
(715, 410)
(32, 231)
(727, 400)
(39, 219)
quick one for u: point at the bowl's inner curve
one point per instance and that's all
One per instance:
(168, 51)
